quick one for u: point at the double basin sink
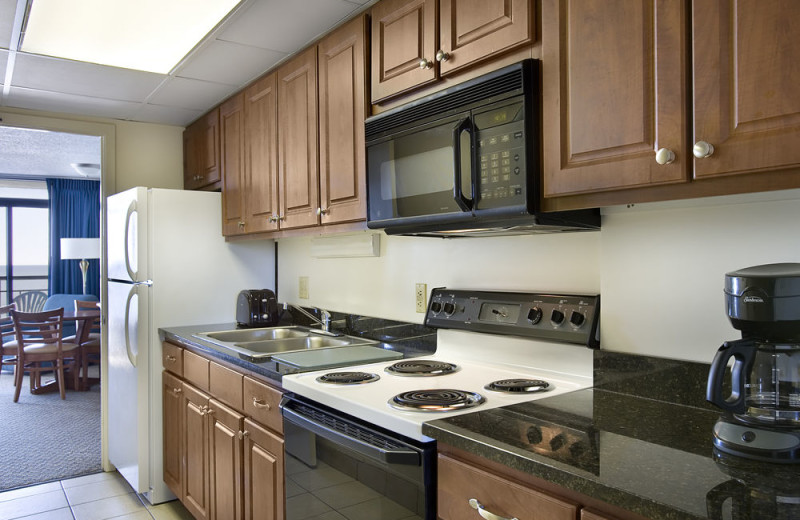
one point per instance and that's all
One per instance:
(259, 344)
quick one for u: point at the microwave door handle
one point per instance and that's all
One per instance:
(464, 125)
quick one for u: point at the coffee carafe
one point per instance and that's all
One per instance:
(763, 302)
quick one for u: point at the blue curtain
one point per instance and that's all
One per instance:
(74, 213)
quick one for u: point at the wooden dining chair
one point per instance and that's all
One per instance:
(8, 338)
(88, 340)
(40, 340)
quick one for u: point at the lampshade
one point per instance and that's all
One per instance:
(80, 248)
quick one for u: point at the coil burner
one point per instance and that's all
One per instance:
(436, 400)
(518, 386)
(421, 367)
(348, 378)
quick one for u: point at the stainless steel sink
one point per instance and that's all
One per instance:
(265, 342)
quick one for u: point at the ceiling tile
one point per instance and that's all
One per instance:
(69, 103)
(7, 10)
(84, 79)
(229, 63)
(286, 25)
(166, 115)
(192, 94)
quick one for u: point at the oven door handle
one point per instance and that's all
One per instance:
(406, 457)
(463, 125)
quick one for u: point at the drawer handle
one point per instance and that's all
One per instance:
(486, 514)
(260, 403)
(171, 358)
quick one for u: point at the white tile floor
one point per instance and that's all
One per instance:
(93, 497)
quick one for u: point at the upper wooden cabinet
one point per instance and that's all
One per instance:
(342, 110)
(617, 108)
(201, 167)
(412, 44)
(232, 151)
(261, 155)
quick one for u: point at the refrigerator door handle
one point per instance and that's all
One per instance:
(131, 356)
(131, 210)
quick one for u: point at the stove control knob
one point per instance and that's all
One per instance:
(534, 315)
(577, 319)
(534, 435)
(449, 308)
(558, 442)
(436, 307)
(557, 317)
(748, 436)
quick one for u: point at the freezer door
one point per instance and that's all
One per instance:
(127, 235)
(128, 383)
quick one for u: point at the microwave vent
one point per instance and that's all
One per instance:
(501, 83)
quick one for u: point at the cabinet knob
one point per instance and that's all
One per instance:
(487, 515)
(241, 224)
(442, 56)
(171, 358)
(703, 149)
(321, 211)
(260, 403)
(243, 434)
(665, 156)
(425, 64)
(177, 391)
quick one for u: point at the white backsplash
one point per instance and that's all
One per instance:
(658, 267)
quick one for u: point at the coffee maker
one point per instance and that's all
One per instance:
(763, 419)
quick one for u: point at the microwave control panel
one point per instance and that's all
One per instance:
(501, 157)
(570, 318)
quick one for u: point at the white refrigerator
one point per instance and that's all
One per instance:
(168, 265)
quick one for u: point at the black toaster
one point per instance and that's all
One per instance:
(257, 308)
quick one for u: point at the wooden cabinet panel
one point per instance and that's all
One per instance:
(342, 110)
(261, 402)
(403, 34)
(201, 152)
(297, 141)
(225, 461)
(195, 492)
(226, 385)
(231, 116)
(472, 30)
(746, 79)
(263, 474)
(614, 92)
(172, 358)
(459, 482)
(261, 155)
(195, 370)
(172, 390)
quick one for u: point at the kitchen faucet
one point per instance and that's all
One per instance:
(324, 320)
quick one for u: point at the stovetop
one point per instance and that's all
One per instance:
(488, 336)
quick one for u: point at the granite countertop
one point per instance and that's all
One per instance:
(626, 448)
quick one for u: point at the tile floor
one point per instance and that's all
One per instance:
(92, 497)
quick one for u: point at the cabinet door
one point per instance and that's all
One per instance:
(225, 461)
(297, 141)
(263, 473)
(190, 154)
(472, 30)
(460, 482)
(261, 155)
(209, 159)
(195, 490)
(614, 92)
(232, 145)
(403, 34)
(171, 410)
(746, 78)
(342, 110)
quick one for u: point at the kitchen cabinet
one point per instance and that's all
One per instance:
(619, 112)
(201, 161)
(223, 444)
(412, 45)
(231, 115)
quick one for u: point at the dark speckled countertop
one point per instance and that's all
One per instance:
(631, 442)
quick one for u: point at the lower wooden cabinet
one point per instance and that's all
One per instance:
(222, 464)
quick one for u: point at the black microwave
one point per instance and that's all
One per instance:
(464, 162)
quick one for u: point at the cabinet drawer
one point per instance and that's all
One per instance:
(460, 482)
(195, 370)
(225, 385)
(261, 403)
(172, 358)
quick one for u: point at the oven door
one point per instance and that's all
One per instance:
(422, 174)
(337, 464)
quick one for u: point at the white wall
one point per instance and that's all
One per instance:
(658, 267)
(149, 155)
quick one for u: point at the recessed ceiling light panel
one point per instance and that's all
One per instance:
(148, 35)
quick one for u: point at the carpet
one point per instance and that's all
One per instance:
(43, 438)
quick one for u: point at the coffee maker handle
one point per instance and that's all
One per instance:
(744, 352)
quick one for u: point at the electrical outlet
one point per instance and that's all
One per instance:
(303, 289)
(422, 297)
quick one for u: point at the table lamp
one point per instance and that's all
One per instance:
(80, 249)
